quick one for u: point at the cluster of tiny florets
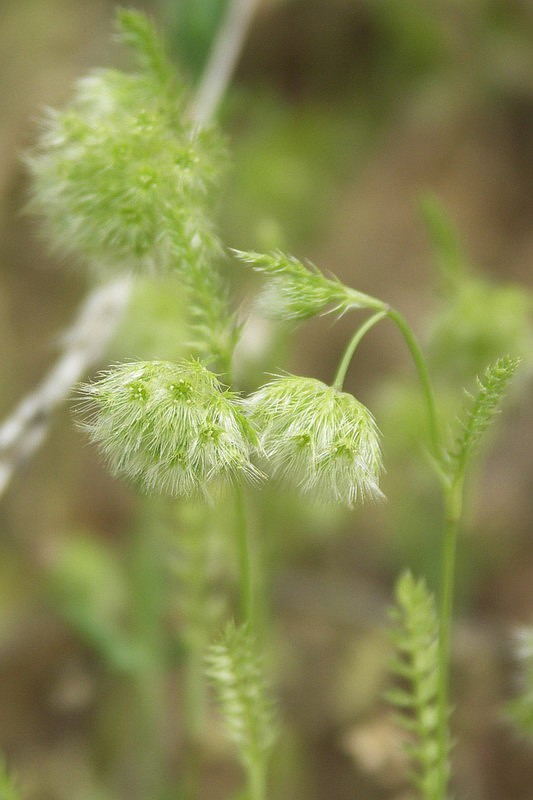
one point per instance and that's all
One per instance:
(121, 180)
(297, 291)
(323, 440)
(170, 427)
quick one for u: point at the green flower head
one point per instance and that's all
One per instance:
(170, 427)
(120, 177)
(323, 440)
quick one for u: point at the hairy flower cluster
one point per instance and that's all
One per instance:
(171, 427)
(323, 440)
(295, 291)
(119, 176)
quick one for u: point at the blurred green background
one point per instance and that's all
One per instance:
(342, 116)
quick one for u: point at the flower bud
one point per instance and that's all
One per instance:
(324, 441)
(170, 427)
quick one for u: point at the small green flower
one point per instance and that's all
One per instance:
(171, 427)
(323, 440)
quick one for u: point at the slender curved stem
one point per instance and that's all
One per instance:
(352, 346)
(425, 381)
(418, 360)
(453, 498)
(452, 493)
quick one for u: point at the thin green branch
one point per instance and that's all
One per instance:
(425, 382)
(453, 503)
(352, 346)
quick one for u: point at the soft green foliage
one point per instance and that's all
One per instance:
(295, 291)
(478, 323)
(478, 415)
(8, 789)
(236, 671)
(137, 338)
(479, 320)
(88, 586)
(323, 441)
(445, 240)
(170, 427)
(194, 27)
(416, 665)
(520, 709)
(120, 176)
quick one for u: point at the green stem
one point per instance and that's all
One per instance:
(453, 497)
(257, 780)
(423, 375)
(245, 565)
(350, 350)
(255, 768)
(453, 500)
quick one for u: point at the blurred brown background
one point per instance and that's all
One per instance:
(341, 115)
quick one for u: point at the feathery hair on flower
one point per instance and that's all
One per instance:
(295, 291)
(170, 427)
(325, 441)
(120, 177)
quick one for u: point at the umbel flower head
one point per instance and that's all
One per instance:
(170, 427)
(323, 440)
(120, 177)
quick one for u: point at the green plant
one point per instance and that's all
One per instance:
(236, 672)
(124, 179)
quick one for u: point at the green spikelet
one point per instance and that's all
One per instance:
(415, 638)
(295, 291)
(136, 32)
(236, 672)
(520, 709)
(8, 789)
(194, 561)
(477, 417)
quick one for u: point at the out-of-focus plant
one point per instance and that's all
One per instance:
(449, 462)
(236, 671)
(8, 788)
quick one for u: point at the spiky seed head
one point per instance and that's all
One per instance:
(170, 427)
(120, 178)
(323, 440)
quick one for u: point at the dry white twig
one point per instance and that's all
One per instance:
(86, 341)
(23, 432)
(223, 59)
